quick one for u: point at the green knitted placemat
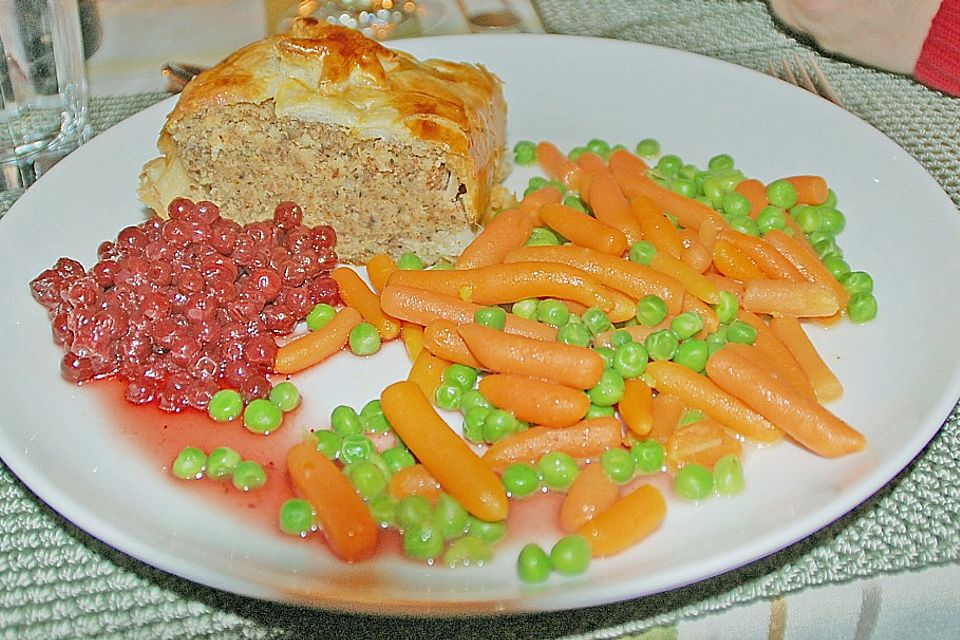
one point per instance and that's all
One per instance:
(58, 582)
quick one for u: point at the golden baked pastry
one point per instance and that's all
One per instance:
(397, 154)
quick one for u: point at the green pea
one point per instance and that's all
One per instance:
(857, 282)
(372, 418)
(729, 178)
(727, 308)
(599, 147)
(712, 191)
(651, 310)
(398, 457)
(771, 218)
(831, 200)
(740, 332)
(735, 204)
(461, 376)
(693, 354)
(808, 218)
(715, 342)
(296, 517)
(450, 517)
(364, 339)
(570, 556)
(558, 470)
(498, 424)
(662, 345)
(690, 416)
(422, 541)
(745, 225)
(262, 416)
(691, 172)
(345, 421)
(526, 308)
(832, 220)
(286, 396)
(687, 324)
(489, 532)
(383, 508)
(575, 334)
(413, 510)
(472, 399)
(693, 482)
(648, 456)
(827, 247)
(355, 448)
(409, 261)
(862, 307)
(221, 463)
(728, 475)
(684, 187)
(608, 390)
(225, 405)
(525, 153)
(837, 266)
(648, 148)
(520, 480)
(575, 203)
(669, 165)
(473, 420)
(533, 564)
(720, 162)
(781, 193)
(607, 354)
(493, 317)
(596, 411)
(447, 396)
(553, 312)
(575, 153)
(328, 443)
(542, 237)
(596, 320)
(320, 315)
(642, 252)
(618, 464)
(466, 551)
(249, 476)
(367, 478)
(189, 464)
(630, 360)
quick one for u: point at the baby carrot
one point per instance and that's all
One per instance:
(531, 203)
(591, 493)
(566, 364)
(611, 207)
(802, 418)
(427, 372)
(710, 320)
(586, 181)
(583, 230)
(557, 166)
(508, 231)
(726, 284)
(690, 278)
(799, 252)
(535, 400)
(770, 261)
(777, 354)
(316, 346)
(687, 211)
(667, 410)
(636, 407)
(787, 298)
(703, 442)
(422, 307)
(826, 385)
(734, 263)
(638, 332)
(810, 189)
(503, 283)
(442, 339)
(623, 159)
(379, 268)
(698, 392)
(695, 253)
(627, 521)
(633, 279)
(412, 336)
(755, 192)
(355, 293)
(346, 522)
(657, 228)
(414, 480)
(592, 163)
(586, 439)
(444, 454)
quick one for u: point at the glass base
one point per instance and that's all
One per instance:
(377, 19)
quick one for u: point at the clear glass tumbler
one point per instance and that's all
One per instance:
(43, 89)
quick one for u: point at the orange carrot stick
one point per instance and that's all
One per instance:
(631, 278)
(379, 268)
(754, 191)
(427, 372)
(535, 400)
(690, 278)
(508, 231)
(414, 480)
(557, 166)
(770, 261)
(810, 189)
(667, 410)
(586, 181)
(687, 211)
(611, 207)
(777, 354)
(583, 230)
(726, 284)
(799, 252)
(703, 442)
(804, 419)
(566, 364)
(586, 439)
(346, 522)
(531, 203)
(623, 159)
(444, 454)
(442, 339)
(316, 346)
(626, 522)
(503, 283)
(592, 163)
(734, 263)
(412, 336)
(355, 293)
(423, 307)
(695, 253)
(787, 298)
(826, 385)
(636, 407)
(591, 493)
(657, 228)
(698, 392)
(710, 320)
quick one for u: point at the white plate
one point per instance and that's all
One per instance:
(900, 371)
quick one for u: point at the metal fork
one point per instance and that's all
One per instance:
(804, 72)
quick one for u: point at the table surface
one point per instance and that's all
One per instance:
(58, 582)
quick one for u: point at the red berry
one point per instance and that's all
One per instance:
(287, 215)
(180, 208)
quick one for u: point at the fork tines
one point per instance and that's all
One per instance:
(804, 72)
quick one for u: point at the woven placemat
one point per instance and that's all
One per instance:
(58, 582)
